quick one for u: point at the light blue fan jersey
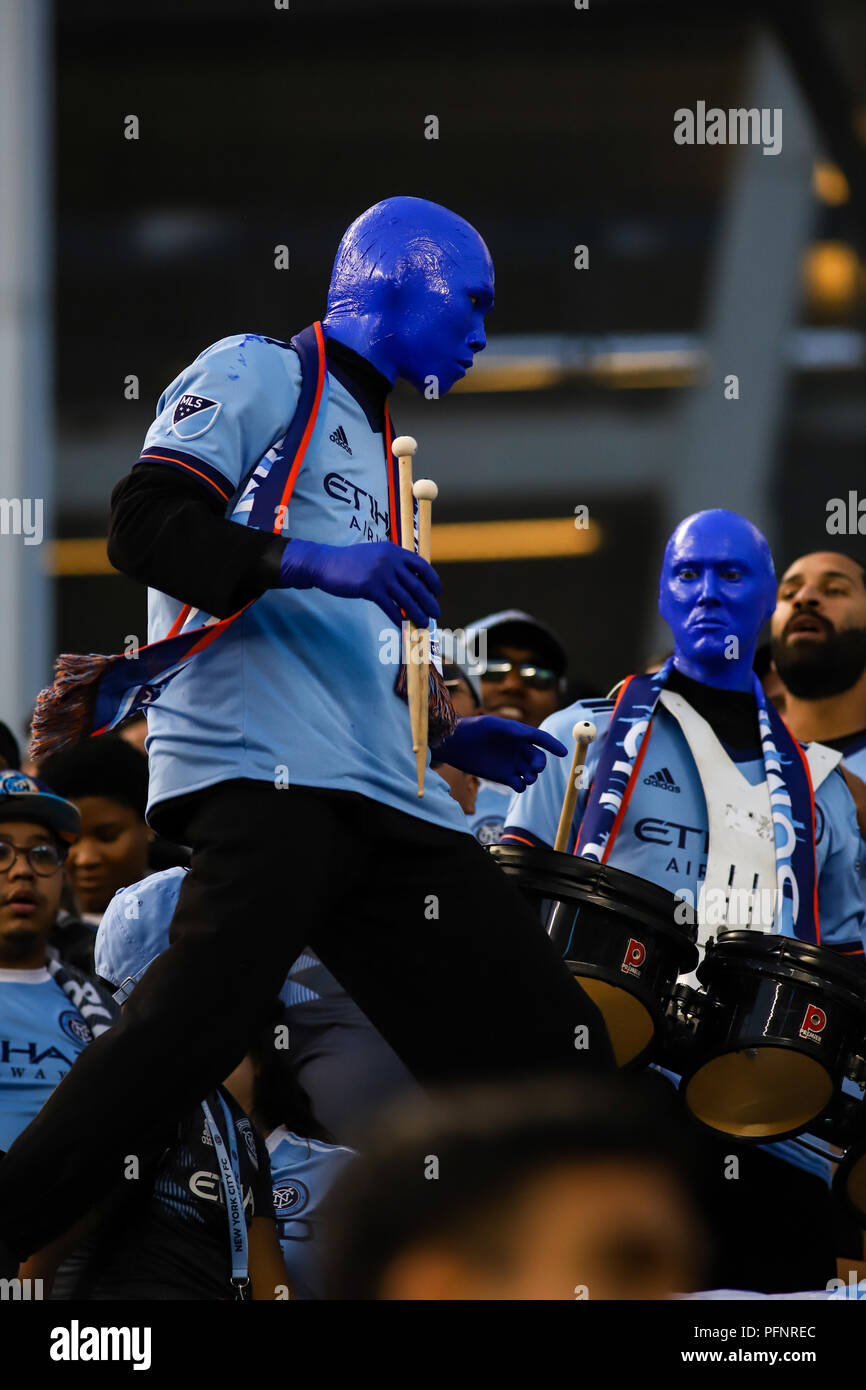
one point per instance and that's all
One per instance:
(491, 808)
(664, 834)
(295, 692)
(302, 1170)
(853, 750)
(41, 1035)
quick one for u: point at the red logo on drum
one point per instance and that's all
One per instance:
(814, 1023)
(635, 955)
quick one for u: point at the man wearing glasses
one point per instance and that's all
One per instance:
(49, 1012)
(522, 677)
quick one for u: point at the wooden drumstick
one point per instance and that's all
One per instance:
(404, 449)
(426, 492)
(583, 733)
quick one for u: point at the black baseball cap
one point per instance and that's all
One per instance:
(513, 627)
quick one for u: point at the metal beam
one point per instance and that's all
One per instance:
(26, 387)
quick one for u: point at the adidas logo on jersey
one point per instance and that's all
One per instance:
(662, 779)
(339, 437)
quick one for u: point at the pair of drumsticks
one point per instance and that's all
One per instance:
(425, 492)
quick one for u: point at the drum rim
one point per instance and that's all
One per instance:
(656, 902)
(844, 982)
(683, 955)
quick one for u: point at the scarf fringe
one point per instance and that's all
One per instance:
(442, 719)
(64, 711)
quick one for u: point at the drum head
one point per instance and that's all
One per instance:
(629, 1023)
(759, 1093)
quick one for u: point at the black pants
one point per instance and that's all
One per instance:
(420, 927)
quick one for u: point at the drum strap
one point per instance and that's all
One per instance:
(788, 786)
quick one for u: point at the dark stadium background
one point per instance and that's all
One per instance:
(261, 127)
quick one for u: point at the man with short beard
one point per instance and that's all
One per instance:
(819, 650)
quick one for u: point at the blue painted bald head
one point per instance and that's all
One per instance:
(716, 590)
(410, 287)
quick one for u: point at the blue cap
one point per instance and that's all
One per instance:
(26, 798)
(134, 929)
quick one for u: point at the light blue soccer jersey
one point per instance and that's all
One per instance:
(664, 834)
(298, 691)
(302, 1171)
(853, 752)
(41, 1035)
(491, 807)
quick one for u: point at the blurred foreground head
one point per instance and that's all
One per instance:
(542, 1190)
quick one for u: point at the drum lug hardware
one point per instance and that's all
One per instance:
(751, 1052)
(856, 1071)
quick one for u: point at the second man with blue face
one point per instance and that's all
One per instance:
(678, 745)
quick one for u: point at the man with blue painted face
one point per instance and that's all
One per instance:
(678, 791)
(262, 515)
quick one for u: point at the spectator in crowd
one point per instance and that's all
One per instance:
(106, 778)
(522, 673)
(304, 1161)
(540, 1191)
(49, 1011)
(818, 647)
(819, 650)
(166, 1233)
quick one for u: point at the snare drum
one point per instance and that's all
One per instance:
(618, 935)
(779, 1025)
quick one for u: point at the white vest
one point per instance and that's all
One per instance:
(739, 887)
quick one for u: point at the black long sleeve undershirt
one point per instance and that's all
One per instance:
(170, 533)
(166, 532)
